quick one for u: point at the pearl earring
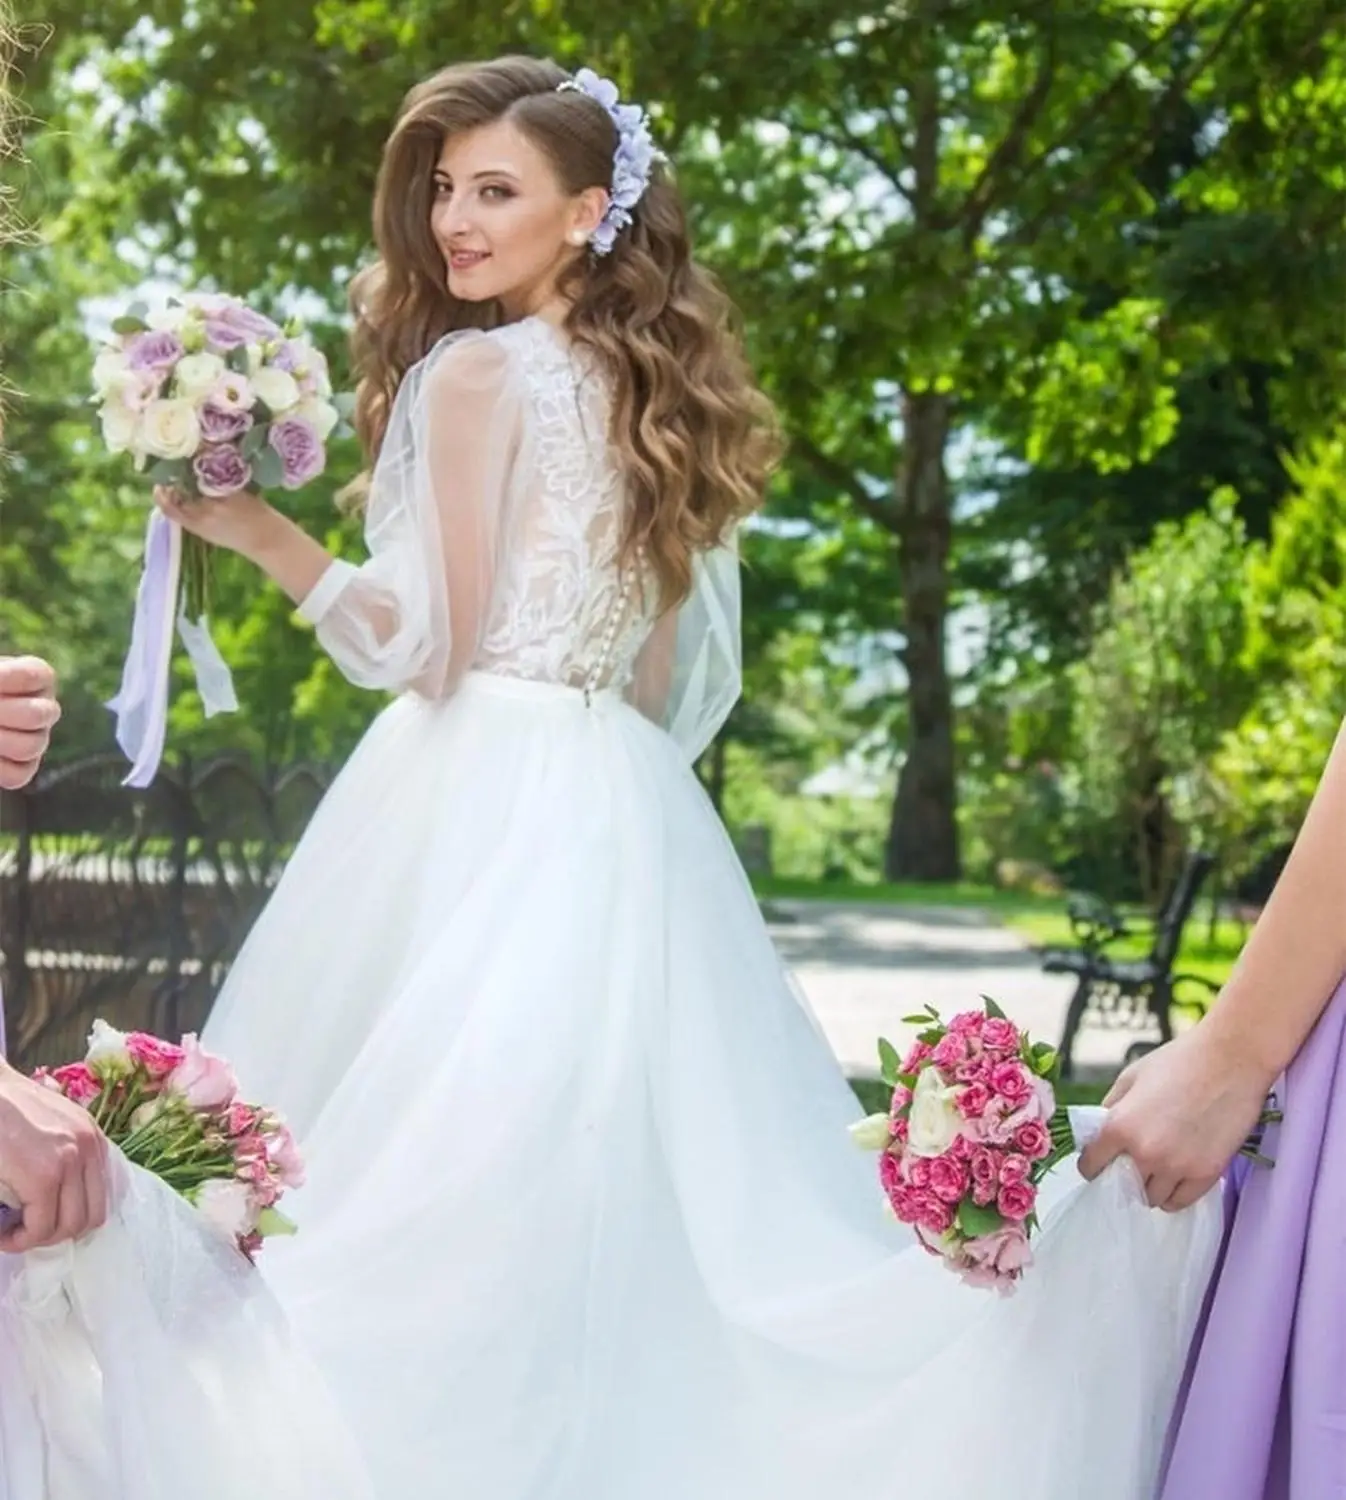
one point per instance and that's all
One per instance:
(578, 237)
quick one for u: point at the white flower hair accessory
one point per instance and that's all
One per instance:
(634, 159)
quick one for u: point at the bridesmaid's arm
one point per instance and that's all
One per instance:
(1183, 1112)
(1297, 952)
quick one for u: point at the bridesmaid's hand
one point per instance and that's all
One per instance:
(242, 522)
(28, 710)
(1182, 1113)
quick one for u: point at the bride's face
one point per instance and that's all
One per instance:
(503, 221)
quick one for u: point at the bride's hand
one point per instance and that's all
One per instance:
(242, 522)
(1181, 1114)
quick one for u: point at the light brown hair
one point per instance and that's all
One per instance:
(696, 436)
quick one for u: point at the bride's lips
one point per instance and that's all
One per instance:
(466, 260)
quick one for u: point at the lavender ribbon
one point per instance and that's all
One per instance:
(141, 704)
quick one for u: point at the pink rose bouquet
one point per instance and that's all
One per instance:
(212, 397)
(972, 1131)
(174, 1110)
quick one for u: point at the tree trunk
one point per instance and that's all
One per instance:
(923, 837)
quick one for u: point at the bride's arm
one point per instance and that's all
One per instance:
(1183, 1112)
(412, 615)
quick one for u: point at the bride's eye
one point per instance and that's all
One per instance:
(496, 192)
(442, 188)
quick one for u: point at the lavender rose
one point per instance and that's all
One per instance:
(224, 336)
(254, 324)
(157, 351)
(220, 470)
(222, 424)
(300, 449)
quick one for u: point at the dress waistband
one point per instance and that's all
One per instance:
(497, 685)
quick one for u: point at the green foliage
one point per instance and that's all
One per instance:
(1263, 774)
(1163, 679)
(1104, 235)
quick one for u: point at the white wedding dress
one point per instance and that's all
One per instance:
(583, 1220)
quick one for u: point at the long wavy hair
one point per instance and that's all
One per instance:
(695, 435)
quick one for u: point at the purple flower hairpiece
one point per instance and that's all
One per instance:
(634, 159)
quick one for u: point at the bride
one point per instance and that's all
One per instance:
(583, 1219)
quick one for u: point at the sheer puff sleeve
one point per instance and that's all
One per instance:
(412, 616)
(689, 673)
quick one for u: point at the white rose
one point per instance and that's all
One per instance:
(934, 1121)
(171, 429)
(228, 1206)
(107, 1052)
(277, 388)
(167, 319)
(121, 427)
(196, 374)
(320, 415)
(256, 358)
(872, 1133)
(110, 370)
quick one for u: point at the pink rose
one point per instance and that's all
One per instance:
(890, 1172)
(918, 1172)
(1034, 1140)
(968, 1023)
(284, 1155)
(1014, 1170)
(948, 1179)
(973, 1101)
(976, 1070)
(906, 1204)
(901, 1098)
(934, 1215)
(901, 1129)
(1016, 1201)
(204, 1080)
(300, 448)
(984, 1131)
(1046, 1098)
(916, 1057)
(77, 1082)
(1001, 1036)
(1012, 1081)
(985, 1167)
(241, 1119)
(950, 1051)
(1003, 1255)
(963, 1148)
(156, 1056)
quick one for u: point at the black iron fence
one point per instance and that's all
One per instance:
(132, 905)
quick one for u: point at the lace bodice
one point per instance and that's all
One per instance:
(494, 529)
(559, 612)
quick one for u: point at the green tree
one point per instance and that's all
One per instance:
(1164, 679)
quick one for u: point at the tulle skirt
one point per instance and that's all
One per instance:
(583, 1219)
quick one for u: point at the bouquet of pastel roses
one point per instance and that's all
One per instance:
(174, 1110)
(212, 397)
(972, 1131)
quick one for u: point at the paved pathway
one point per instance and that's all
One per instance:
(863, 967)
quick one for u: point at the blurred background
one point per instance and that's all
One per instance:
(1049, 595)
